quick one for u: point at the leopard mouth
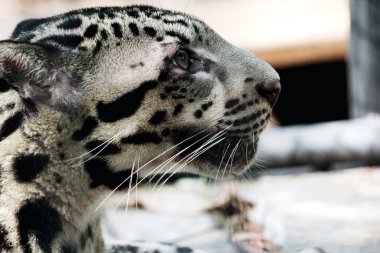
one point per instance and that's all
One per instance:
(215, 152)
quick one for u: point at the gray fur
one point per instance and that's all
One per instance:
(108, 76)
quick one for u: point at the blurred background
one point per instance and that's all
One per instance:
(316, 182)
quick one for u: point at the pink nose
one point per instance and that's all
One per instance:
(270, 91)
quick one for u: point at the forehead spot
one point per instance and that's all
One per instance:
(70, 24)
(134, 29)
(104, 35)
(117, 30)
(97, 47)
(177, 109)
(133, 14)
(69, 40)
(91, 31)
(150, 31)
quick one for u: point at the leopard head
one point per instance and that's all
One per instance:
(122, 86)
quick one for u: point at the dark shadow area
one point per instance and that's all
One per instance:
(313, 93)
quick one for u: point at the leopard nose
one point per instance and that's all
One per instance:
(270, 90)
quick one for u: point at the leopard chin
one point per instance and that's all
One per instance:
(216, 153)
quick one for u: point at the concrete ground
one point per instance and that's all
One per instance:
(338, 212)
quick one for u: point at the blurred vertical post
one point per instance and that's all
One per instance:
(364, 57)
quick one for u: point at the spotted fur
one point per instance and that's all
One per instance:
(87, 95)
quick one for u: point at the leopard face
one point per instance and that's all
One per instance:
(94, 99)
(139, 85)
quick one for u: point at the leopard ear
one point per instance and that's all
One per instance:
(36, 73)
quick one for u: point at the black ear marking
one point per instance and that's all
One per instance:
(26, 26)
(4, 86)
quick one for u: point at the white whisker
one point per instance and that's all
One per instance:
(129, 194)
(221, 162)
(246, 154)
(187, 162)
(150, 161)
(159, 166)
(106, 142)
(137, 179)
(233, 156)
(229, 158)
(199, 148)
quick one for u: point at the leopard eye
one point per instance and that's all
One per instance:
(182, 59)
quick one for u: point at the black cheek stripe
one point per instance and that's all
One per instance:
(101, 174)
(88, 126)
(126, 105)
(142, 138)
(98, 147)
